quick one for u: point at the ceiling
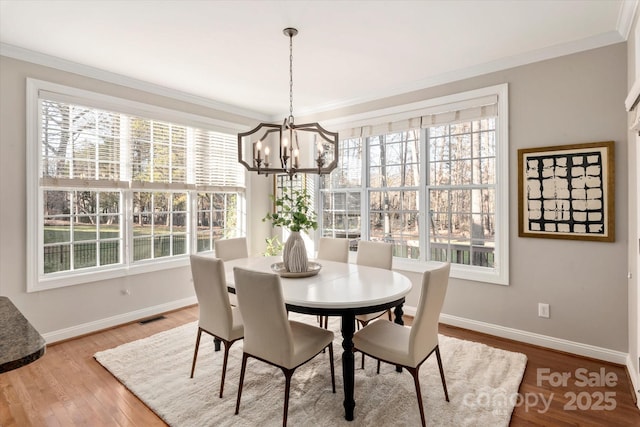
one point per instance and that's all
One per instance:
(234, 52)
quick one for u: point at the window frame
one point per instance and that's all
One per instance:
(36, 279)
(499, 274)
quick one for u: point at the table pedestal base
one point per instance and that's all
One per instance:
(348, 328)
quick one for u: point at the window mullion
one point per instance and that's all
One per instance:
(364, 195)
(127, 228)
(423, 192)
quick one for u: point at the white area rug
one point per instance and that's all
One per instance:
(482, 381)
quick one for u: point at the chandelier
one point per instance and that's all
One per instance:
(288, 148)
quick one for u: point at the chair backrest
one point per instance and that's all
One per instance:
(210, 283)
(375, 254)
(424, 329)
(332, 249)
(267, 333)
(228, 249)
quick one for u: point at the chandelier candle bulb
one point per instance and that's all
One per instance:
(266, 156)
(259, 148)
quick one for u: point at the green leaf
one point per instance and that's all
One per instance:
(293, 211)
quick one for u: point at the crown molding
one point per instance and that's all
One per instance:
(38, 58)
(605, 39)
(633, 97)
(628, 11)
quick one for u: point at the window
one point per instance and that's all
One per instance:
(81, 229)
(341, 193)
(117, 186)
(220, 215)
(432, 180)
(394, 180)
(461, 192)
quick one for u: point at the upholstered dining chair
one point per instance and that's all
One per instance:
(228, 249)
(217, 317)
(332, 249)
(374, 254)
(270, 336)
(410, 347)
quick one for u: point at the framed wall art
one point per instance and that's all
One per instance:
(567, 192)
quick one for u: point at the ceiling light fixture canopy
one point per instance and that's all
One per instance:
(288, 148)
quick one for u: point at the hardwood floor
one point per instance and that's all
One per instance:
(67, 387)
(589, 396)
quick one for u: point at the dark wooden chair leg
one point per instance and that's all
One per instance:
(324, 323)
(416, 381)
(195, 353)
(333, 374)
(363, 325)
(444, 383)
(224, 364)
(287, 388)
(244, 366)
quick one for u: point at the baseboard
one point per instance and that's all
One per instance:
(109, 322)
(474, 325)
(635, 379)
(559, 344)
(409, 310)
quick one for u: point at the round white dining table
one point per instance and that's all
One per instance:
(338, 289)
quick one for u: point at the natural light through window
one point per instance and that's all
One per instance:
(431, 180)
(112, 190)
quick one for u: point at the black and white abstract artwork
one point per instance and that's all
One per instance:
(565, 192)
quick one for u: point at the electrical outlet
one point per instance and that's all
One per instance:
(543, 310)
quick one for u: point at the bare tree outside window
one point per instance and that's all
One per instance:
(394, 178)
(461, 192)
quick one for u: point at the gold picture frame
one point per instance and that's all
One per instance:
(567, 192)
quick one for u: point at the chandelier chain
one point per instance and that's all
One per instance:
(291, 75)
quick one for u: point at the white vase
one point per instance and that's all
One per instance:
(294, 254)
